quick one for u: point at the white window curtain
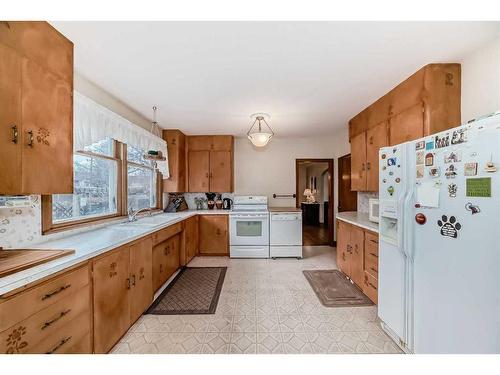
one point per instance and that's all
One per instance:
(92, 122)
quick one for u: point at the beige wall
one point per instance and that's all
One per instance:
(481, 81)
(272, 169)
(97, 94)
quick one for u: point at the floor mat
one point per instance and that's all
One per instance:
(195, 290)
(334, 289)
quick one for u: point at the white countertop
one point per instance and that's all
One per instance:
(94, 242)
(359, 219)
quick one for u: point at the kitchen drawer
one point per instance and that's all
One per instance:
(371, 263)
(370, 286)
(74, 337)
(371, 239)
(25, 304)
(47, 322)
(166, 233)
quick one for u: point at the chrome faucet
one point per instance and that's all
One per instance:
(132, 215)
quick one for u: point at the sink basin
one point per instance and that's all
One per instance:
(135, 225)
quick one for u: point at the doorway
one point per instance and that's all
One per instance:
(314, 196)
(348, 199)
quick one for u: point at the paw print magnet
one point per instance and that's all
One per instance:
(449, 228)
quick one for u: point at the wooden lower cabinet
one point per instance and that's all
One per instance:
(51, 317)
(189, 246)
(214, 235)
(166, 260)
(119, 295)
(357, 257)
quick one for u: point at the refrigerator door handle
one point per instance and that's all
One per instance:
(408, 240)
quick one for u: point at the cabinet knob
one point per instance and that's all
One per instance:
(363, 166)
(133, 280)
(368, 165)
(31, 140)
(128, 283)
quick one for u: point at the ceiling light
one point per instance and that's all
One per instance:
(260, 133)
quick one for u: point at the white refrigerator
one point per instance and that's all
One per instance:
(439, 254)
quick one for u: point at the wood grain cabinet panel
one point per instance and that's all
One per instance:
(111, 298)
(10, 120)
(220, 171)
(213, 235)
(200, 142)
(357, 255)
(199, 171)
(36, 91)
(176, 143)
(407, 126)
(376, 138)
(166, 260)
(222, 143)
(141, 270)
(189, 247)
(343, 243)
(358, 162)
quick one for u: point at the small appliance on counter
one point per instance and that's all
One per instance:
(211, 200)
(176, 203)
(227, 203)
(373, 208)
(285, 233)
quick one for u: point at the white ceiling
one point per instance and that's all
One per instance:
(311, 77)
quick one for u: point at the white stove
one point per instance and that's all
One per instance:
(249, 227)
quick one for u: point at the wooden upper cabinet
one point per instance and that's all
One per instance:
(210, 163)
(358, 162)
(213, 235)
(176, 144)
(36, 119)
(111, 298)
(220, 171)
(10, 120)
(141, 267)
(375, 139)
(199, 171)
(407, 126)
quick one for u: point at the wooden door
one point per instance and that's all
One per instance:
(358, 162)
(176, 142)
(199, 169)
(172, 255)
(220, 171)
(111, 298)
(222, 143)
(343, 254)
(348, 199)
(375, 139)
(213, 235)
(141, 274)
(47, 117)
(200, 142)
(407, 126)
(10, 121)
(357, 255)
(160, 252)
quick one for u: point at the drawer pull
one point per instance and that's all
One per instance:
(133, 280)
(15, 134)
(128, 283)
(374, 241)
(50, 322)
(373, 254)
(57, 291)
(374, 270)
(373, 286)
(61, 343)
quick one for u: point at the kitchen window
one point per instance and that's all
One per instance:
(110, 178)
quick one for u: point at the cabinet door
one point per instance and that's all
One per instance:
(407, 126)
(222, 143)
(200, 142)
(10, 121)
(220, 171)
(358, 162)
(191, 238)
(176, 141)
(111, 298)
(375, 139)
(357, 255)
(343, 254)
(213, 232)
(141, 274)
(172, 255)
(47, 116)
(160, 264)
(198, 164)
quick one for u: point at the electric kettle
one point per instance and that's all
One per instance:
(227, 203)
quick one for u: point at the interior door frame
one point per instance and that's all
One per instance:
(339, 178)
(298, 194)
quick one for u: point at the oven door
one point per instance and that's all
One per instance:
(249, 229)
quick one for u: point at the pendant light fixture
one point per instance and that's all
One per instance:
(260, 133)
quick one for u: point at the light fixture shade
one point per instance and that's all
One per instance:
(260, 139)
(260, 133)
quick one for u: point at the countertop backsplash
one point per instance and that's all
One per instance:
(363, 200)
(190, 198)
(21, 226)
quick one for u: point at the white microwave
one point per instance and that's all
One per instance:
(373, 209)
